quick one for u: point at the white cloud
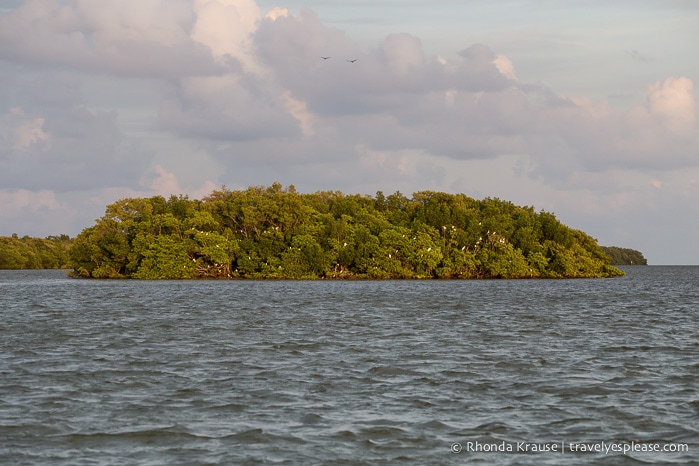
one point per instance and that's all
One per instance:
(403, 54)
(23, 199)
(225, 27)
(299, 110)
(505, 67)
(277, 12)
(129, 37)
(226, 108)
(165, 183)
(27, 132)
(38, 213)
(673, 102)
(57, 143)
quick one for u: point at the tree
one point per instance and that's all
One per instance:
(304, 258)
(624, 256)
(165, 257)
(272, 232)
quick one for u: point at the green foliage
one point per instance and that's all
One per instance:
(624, 256)
(166, 256)
(304, 258)
(34, 253)
(273, 232)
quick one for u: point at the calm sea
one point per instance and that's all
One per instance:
(363, 372)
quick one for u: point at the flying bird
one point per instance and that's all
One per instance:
(352, 61)
(324, 58)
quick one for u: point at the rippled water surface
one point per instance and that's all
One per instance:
(362, 372)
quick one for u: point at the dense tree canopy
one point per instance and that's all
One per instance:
(272, 232)
(34, 253)
(624, 256)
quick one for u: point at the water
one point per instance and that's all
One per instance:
(363, 372)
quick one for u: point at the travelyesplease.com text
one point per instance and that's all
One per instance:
(568, 447)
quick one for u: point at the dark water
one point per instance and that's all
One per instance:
(394, 372)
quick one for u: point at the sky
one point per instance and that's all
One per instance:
(586, 109)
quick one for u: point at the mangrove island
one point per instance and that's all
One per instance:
(277, 233)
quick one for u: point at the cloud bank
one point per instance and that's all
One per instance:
(138, 97)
